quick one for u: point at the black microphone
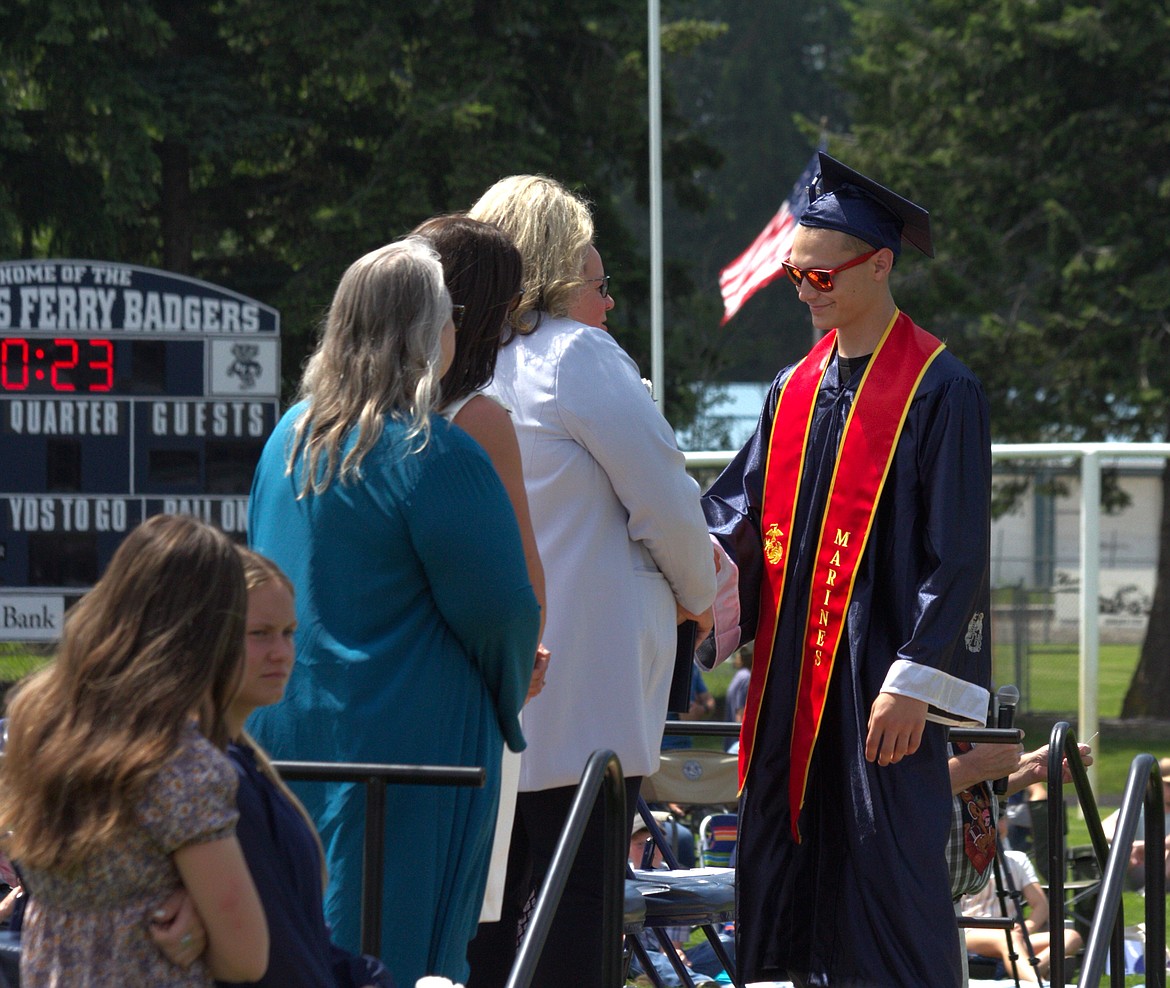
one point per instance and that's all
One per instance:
(1006, 698)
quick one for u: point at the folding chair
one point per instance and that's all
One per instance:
(677, 897)
(717, 836)
(703, 781)
(1082, 876)
(1082, 887)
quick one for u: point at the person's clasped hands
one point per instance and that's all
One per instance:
(177, 930)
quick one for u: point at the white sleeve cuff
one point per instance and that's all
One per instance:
(953, 701)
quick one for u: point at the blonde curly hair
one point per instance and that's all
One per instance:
(552, 228)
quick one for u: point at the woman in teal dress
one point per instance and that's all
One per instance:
(417, 624)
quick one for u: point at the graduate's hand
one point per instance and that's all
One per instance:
(895, 728)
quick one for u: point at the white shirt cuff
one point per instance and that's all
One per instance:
(953, 701)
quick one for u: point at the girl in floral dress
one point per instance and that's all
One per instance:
(115, 789)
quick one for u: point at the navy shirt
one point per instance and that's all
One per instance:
(285, 862)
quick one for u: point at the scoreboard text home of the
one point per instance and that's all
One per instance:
(124, 392)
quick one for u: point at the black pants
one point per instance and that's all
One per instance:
(572, 954)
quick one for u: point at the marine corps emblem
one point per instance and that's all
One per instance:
(773, 549)
(974, 637)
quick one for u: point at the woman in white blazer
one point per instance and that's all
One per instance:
(624, 546)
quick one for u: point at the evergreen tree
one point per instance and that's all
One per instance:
(264, 145)
(1038, 133)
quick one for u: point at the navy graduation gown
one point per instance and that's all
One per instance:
(863, 901)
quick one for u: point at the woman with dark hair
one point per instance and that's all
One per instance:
(483, 269)
(416, 620)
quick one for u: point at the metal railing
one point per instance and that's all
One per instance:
(702, 728)
(603, 774)
(376, 778)
(602, 769)
(1107, 930)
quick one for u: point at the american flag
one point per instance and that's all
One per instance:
(760, 264)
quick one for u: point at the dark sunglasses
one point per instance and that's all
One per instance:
(822, 278)
(457, 312)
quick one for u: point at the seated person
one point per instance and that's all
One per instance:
(971, 771)
(973, 845)
(701, 958)
(1136, 872)
(646, 855)
(640, 845)
(1029, 939)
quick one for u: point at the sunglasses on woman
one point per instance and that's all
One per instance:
(822, 278)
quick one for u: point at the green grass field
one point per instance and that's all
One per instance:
(18, 660)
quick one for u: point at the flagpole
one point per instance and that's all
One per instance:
(654, 70)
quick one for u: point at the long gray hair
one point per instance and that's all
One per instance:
(379, 354)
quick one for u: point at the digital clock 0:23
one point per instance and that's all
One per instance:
(52, 366)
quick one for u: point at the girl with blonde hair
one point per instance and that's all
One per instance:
(114, 789)
(279, 840)
(416, 619)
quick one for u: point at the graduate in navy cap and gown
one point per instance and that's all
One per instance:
(856, 522)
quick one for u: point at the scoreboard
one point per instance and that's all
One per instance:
(124, 392)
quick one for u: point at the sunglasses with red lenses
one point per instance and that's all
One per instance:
(822, 278)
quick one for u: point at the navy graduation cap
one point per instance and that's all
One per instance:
(843, 199)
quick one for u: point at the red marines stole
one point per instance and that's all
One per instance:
(871, 433)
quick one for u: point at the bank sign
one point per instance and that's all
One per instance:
(124, 392)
